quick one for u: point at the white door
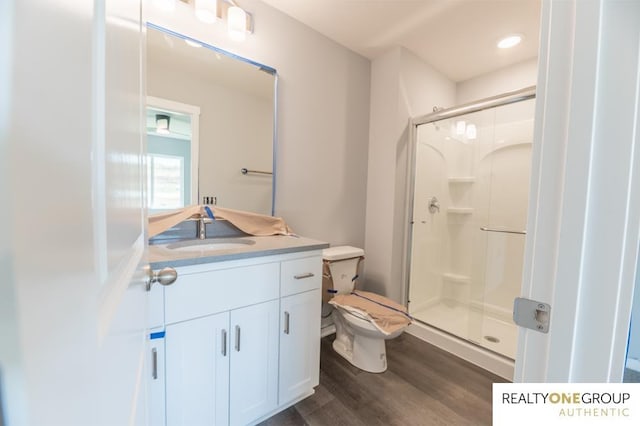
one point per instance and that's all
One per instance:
(72, 220)
(584, 214)
(197, 368)
(299, 344)
(253, 390)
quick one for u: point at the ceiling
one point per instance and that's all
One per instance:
(457, 37)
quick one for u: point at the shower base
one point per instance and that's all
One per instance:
(487, 339)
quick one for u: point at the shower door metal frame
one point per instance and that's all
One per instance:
(480, 105)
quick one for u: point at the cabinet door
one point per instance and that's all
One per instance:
(299, 345)
(156, 378)
(254, 362)
(197, 372)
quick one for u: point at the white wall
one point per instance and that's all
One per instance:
(402, 86)
(507, 79)
(323, 118)
(227, 142)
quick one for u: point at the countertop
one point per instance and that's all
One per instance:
(160, 256)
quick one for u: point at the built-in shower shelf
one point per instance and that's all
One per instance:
(462, 179)
(456, 278)
(460, 210)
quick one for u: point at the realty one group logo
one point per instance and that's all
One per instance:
(566, 403)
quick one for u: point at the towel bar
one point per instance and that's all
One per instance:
(505, 231)
(245, 171)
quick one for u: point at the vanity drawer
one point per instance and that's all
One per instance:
(205, 293)
(301, 275)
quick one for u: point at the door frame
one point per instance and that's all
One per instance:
(584, 212)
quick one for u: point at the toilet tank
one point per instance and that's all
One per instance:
(343, 266)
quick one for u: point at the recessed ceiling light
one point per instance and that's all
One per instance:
(510, 41)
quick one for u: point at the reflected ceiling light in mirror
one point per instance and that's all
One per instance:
(237, 23)
(206, 10)
(192, 43)
(509, 41)
(471, 131)
(166, 5)
(162, 124)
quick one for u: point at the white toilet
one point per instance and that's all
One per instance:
(358, 340)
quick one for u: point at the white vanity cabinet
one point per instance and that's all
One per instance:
(242, 339)
(157, 376)
(299, 341)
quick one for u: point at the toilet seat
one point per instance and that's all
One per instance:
(359, 321)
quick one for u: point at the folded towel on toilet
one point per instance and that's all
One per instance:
(385, 314)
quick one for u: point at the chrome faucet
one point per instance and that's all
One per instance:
(201, 226)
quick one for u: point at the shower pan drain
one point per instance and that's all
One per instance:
(492, 339)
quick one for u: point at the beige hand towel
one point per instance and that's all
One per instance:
(386, 315)
(253, 223)
(250, 223)
(158, 223)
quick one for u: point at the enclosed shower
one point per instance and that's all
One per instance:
(470, 184)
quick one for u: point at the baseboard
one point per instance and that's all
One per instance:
(283, 407)
(328, 330)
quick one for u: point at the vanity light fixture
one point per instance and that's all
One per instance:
(509, 41)
(206, 10)
(166, 5)
(239, 21)
(236, 23)
(162, 124)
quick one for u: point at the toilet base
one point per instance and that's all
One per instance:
(368, 354)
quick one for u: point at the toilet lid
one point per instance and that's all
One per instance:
(387, 315)
(341, 252)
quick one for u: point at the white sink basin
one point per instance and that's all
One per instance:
(201, 246)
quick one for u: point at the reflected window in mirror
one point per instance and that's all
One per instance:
(166, 176)
(172, 145)
(235, 99)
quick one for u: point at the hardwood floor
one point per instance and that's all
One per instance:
(422, 386)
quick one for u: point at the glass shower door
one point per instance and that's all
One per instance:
(469, 215)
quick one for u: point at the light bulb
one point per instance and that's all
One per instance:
(237, 23)
(460, 127)
(166, 5)
(207, 10)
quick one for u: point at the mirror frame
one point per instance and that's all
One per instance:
(262, 67)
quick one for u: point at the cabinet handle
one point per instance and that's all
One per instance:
(303, 276)
(237, 338)
(286, 322)
(154, 364)
(224, 343)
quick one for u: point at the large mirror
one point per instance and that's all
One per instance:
(210, 126)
